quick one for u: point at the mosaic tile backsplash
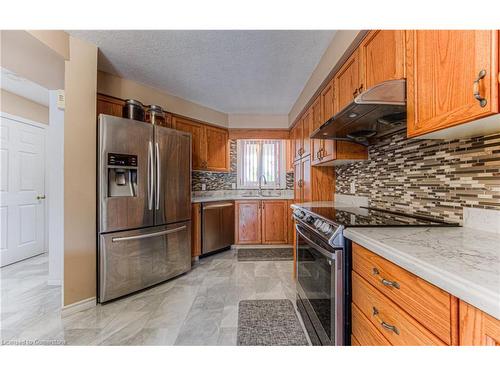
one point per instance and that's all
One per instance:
(224, 180)
(427, 177)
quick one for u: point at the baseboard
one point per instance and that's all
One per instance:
(79, 306)
(235, 247)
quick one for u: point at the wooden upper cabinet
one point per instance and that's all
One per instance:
(274, 222)
(347, 82)
(441, 68)
(109, 106)
(307, 126)
(196, 130)
(298, 140)
(316, 144)
(210, 145)
(382, 57)
(477, 327)
(216, 149)
(248, 222)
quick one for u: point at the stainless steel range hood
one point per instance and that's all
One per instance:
(379, 111)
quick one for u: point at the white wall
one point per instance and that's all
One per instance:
(55, 190)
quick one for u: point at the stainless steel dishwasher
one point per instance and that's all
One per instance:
(217, 226)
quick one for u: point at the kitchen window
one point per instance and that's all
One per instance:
(258, 158)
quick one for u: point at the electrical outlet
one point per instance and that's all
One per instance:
(353, 187)
(233, 186)
(203, 187)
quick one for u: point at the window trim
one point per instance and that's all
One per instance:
(282, 165)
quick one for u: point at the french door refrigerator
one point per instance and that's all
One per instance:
(144, 205)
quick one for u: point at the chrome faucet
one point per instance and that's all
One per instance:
(260, 183)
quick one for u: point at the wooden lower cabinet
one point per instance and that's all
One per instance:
(274, 222)
(477, 327)
(397, 326)
(263, 222)
(429, 305)
(196, 229)
(364, 332)
(248, 229)
(391, 306)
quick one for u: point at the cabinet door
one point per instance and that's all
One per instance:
(441, 67)
(297, 136)
(381, 57)
(316, 144)
(307, 126)
(216, 149)
(346, 81)
(306, 180)
(196, 130)
(298, 183)
(274, 222)
(477, 327)
(328, 109)
(248, 222)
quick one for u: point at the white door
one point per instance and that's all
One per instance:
(22, 190)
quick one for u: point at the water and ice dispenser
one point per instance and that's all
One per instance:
(122, 175)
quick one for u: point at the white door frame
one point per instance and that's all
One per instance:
(43, 127)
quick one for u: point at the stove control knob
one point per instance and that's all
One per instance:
(309, 220)
(326, 228)
(298, 213)
(318, 223)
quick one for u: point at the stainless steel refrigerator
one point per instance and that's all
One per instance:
(144, 205)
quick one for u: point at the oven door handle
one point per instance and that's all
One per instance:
(324, 252)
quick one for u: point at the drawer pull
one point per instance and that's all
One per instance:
(385, 325)
(386, 282)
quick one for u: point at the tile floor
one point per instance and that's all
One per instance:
(199, 308)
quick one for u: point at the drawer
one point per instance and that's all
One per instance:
(434, 308)
(396, 326)
(364, 331)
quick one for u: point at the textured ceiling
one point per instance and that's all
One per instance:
(230, 71)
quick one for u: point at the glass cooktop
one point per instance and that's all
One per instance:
(371, 216)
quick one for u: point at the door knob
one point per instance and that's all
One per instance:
(40, 197)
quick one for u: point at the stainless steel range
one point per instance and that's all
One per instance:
(324, 264)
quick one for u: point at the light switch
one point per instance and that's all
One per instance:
(203, 187)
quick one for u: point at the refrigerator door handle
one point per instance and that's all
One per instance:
(157, 176)
(149, 235)
(150, 176)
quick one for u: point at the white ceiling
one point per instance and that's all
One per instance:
(233, 71)
(14, 83)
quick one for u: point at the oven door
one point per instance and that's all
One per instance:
(319, 287)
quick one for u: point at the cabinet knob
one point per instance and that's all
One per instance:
(482, 100)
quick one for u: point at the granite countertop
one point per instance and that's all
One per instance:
(462, 261)
(233, 196)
